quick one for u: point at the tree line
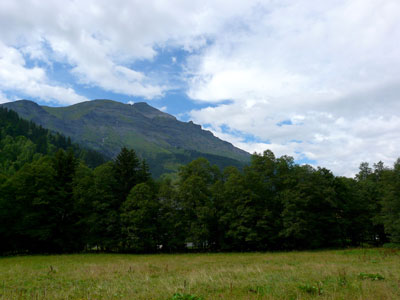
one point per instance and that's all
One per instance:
(53, 203)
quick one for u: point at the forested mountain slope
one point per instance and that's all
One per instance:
(107, 126)
(21, 141)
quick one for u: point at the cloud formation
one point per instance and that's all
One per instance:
(14, 75)
(331, 70)
(100, 41)
(315, 80)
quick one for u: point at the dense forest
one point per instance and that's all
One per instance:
(56, 197)
(21, 141)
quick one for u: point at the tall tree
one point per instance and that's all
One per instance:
(139, 220)
(126, 172)
(195, 192)
(104, 220)
(240, 215)
(262, 179)
(391, 202)
(172, 221)
(29, 209)
(64, 164)
(353, 214)
(369, 190)
(311, 213)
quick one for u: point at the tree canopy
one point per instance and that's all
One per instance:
(52, 201)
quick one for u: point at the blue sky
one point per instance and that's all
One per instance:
(315, 80)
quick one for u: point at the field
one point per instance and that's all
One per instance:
(340, 274)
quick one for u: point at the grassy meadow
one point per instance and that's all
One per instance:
(334, 274)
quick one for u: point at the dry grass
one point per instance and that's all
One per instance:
(292, 275)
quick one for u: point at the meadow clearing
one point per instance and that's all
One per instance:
(334, 274)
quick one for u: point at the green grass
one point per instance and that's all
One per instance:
(343, 274)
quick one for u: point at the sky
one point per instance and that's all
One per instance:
(316, 80)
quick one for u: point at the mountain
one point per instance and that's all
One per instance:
(106, 126)
(23, 141)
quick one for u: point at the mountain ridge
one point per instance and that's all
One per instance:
(107, 126)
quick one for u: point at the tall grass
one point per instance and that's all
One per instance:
(342, 274)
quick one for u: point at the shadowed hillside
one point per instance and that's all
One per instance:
(107, 126)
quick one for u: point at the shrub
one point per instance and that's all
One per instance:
(371, 276)
(179, 296)
(311, 289)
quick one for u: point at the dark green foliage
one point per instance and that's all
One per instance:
(391, 202)
(311, 289)
(51, 201)
(371, 188)
(103, 218)
(144, 174)
(179, 296)
(159, 162)
(21, 141)
(39, 214)
(371, 276)
(27, 209)
(172, 231)
(352, 213)
(240, 215)
(111, 216)
(311, 214)
(139, 219)
(15, 152)
(126, 172)
(65, 214)
(195, 193)
(57, 204)
(106, 126)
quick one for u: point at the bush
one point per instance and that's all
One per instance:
(391, 246)
(310, 289)
(371, 276)
(179, 296)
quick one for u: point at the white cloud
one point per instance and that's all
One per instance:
(332, 68)
(15, 76)
(102, 39)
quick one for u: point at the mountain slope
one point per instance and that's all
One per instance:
(106, 126)
(22, 141)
